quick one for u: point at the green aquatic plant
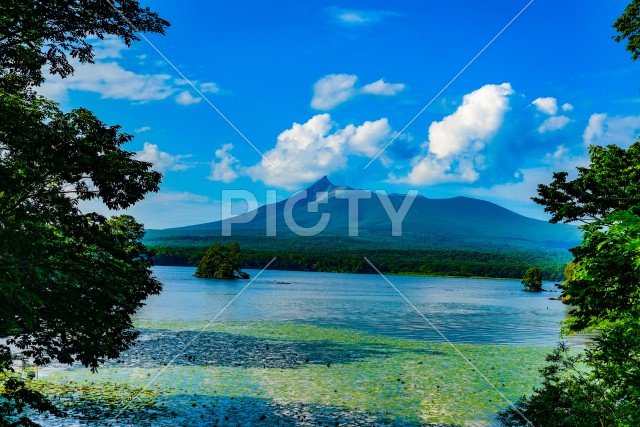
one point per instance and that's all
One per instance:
(288, 370)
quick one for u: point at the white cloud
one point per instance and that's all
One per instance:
(594, 129)
(209, 87)
(454, 146)
(558, 155)
(567, 107)
(109, 47)
(554, 123)
(476, 120)
(334, 89)
(308, 151)
(619, 130)
(206, 87)
(380, 87)
(516, 196)
(367, 139)
(226, 169)
(185, 98)
(143, 129)
(546, 105)
(178, 209)
(162, 161)
(109, 80)
(356, 18)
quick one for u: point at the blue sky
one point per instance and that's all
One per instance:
(320, 87)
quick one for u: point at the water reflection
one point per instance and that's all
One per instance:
(465, 310)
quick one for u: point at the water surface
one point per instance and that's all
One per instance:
(464, 310)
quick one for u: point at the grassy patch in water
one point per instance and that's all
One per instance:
(293, 372)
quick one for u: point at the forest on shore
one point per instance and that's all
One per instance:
(506, 264)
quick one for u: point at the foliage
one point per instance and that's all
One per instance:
(450, 262)
(603, 288)
(35, 33)
(532, 280)
(221, 262)
(628, 27)
(605, 280)
(566, 398)
(69, 281)
(611, 183)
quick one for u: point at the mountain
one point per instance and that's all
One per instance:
(458, 222)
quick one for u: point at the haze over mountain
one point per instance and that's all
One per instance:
(458, 222)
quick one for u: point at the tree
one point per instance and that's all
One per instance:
(35, 33)
(601, 386)
(611, 183)
(532, 280)
(221, 262)
(603, 286)
(628, 27)
(69, 281)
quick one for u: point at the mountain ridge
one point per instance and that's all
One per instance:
(461, 222)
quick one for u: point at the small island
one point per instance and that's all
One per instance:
(532, 280)
(221, 262)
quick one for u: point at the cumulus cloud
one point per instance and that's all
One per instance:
(225, 169)
(546, 105)
(380, 87)
(185, 98)
(310, 150)
(594, 129)
(334, 89)
(367, 138)
(554, 123)
(453, 151)
(567, 107)
(604, 130)
(162, 161)
(143, 129)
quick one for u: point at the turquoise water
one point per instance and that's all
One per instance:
(309, 349)
(464, 310)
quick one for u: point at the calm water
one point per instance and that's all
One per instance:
(464, 310)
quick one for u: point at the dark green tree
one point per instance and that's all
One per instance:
(628, 28)
(532, 280)
(70, 281)
(39, 33)
(602, 385)
(611, 184)
(603, 286)
(221, 262)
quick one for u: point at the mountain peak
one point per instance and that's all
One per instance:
(323, 184)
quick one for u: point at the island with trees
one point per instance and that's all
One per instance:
(221, 262)
(532, 280)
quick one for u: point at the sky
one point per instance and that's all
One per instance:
(479, 99)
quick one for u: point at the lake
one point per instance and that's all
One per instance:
(464, 310)
(305, 348)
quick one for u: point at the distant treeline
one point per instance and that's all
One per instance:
(440, 262)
